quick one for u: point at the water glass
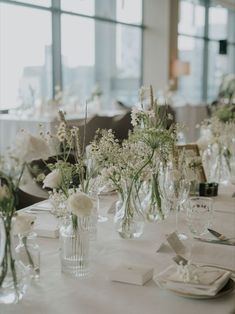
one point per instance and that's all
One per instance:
(199, 215)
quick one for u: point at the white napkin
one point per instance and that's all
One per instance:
(210, 281)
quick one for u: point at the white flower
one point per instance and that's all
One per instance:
(4, 192)
(29, 147)
(134, 116)
(80, 204)
(23, 223)
(53, 180)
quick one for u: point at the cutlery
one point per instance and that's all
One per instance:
(218, 235)
(225, 242)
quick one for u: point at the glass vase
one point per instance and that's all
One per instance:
(74, 244)
(220, 167)
(129, 220)
(28, 252)
(152, 204)
(14, 276)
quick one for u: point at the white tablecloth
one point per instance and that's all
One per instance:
(56, 293)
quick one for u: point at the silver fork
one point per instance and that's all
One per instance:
(178, 259)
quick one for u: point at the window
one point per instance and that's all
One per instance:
(191, 49)
(25, 56)
(76, 44)
(203, 24)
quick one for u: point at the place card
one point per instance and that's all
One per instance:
(132, 274)
(175, 243)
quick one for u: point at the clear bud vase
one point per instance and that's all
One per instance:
(129, 220)
(74, 245)
(220, 167)
(28, 252)
(14, 276)
(152, 204)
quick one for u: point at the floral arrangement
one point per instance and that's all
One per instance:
(136, 159)
(225, 112)
(27, 148)
(69, 171)
(217, 147)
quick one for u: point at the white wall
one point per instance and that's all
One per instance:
(156, 43)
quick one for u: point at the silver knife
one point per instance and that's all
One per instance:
(225, 242)
(218, 235)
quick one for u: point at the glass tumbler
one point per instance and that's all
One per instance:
(199, 215)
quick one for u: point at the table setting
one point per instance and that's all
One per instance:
(122, 230)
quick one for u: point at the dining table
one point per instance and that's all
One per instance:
(56, 293)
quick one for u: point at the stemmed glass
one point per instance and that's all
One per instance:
(175, 189)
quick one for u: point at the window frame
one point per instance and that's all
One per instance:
(206, 39)
(56, 12)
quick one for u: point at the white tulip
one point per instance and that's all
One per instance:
(53, 180)
(80, 204)
(29, 147)
(23, 223)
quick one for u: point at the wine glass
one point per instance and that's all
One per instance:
(175, 189)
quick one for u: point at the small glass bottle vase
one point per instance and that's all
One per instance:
(28, 252)
(221, 164)
(129, 220)
(152, 204)
(14, 276)
(74, 245)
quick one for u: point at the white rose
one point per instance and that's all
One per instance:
(80, 204)
(29, 147)
(23, 223)
(4, 192)
(53, 180)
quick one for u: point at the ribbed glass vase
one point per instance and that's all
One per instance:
(74, 244)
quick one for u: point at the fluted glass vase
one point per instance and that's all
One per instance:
(14, 276)
(74, 244)
(129, 219)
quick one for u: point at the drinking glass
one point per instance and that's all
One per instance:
(199, 215)
(175, 190)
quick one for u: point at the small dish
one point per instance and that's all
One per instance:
(228, 288)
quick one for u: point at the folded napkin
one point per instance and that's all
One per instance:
(206, 281)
